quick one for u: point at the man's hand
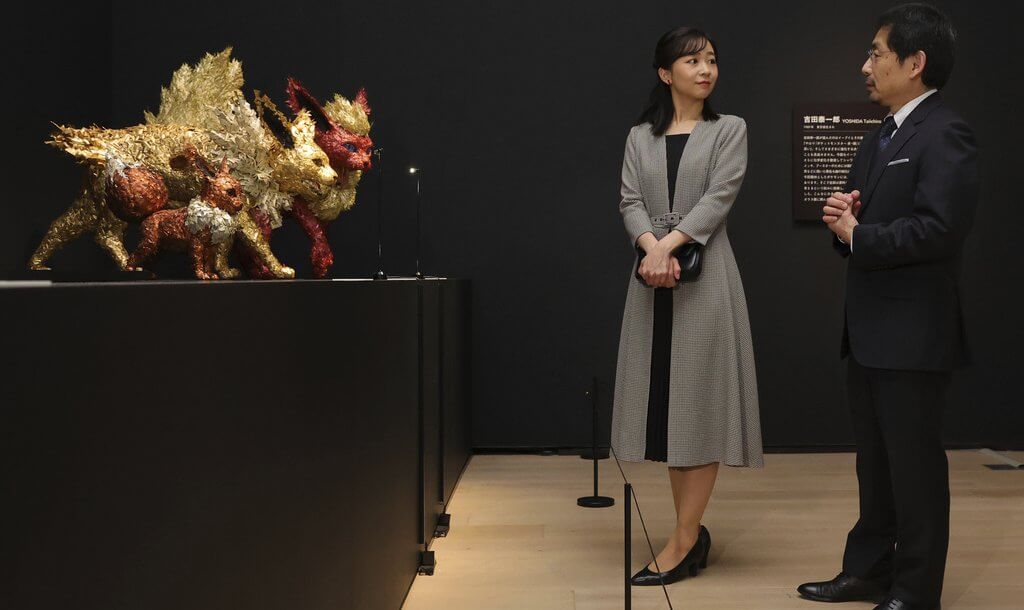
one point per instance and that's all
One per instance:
(840, 214)
(839, 203)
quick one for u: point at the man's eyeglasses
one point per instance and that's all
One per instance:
(874, 55)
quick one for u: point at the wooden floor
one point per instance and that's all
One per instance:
(519, 542)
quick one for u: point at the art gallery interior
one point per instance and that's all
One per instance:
(319, 306)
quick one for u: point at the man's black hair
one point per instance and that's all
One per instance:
(922, 27)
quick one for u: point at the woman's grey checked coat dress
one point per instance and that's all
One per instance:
(713, 410)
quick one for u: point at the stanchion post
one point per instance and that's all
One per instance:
(594, 501)
(627, 503)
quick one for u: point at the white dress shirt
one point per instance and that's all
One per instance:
(900, 116)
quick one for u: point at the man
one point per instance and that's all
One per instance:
(908, 206)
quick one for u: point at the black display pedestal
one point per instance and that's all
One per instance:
(280, 444)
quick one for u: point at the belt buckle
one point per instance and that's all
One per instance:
(667, 221)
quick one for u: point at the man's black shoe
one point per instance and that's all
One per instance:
(845, 588)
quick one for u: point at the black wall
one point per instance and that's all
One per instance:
(56, 67)
(518, 115)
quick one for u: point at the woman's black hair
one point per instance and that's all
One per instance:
(671, 46)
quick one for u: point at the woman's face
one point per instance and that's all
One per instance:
(693, 76)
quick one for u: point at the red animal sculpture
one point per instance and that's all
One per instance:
(342, 132)
(204, 228)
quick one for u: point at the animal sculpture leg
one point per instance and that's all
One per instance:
(210, 260)
(149, 244)
(250, 236)
(201, 261)
(221, 265)
(320, 252)
(110, 236)
(247, 256)
(77, 220)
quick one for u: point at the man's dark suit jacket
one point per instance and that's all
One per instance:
(903, 277)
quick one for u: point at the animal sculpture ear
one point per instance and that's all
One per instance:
(361, 100)
(293, 92)
(279, 126)
(204, 166)
(180, 162)
(299, 98)
(223, 166)
(190, 157)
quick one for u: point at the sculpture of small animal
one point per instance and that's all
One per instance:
(207, 222)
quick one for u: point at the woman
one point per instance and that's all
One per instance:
(685, 386)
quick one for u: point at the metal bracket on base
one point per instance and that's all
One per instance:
(427, 563)
(444, 521)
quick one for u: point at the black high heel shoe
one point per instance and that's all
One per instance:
(691, 565)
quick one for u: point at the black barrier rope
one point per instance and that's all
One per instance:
(644, 526)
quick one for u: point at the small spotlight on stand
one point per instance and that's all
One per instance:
(380, 275)
(415, 172)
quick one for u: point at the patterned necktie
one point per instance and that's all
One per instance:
(885, 137)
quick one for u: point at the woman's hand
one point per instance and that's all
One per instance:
(659, 268)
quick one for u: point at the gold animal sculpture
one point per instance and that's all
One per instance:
(217, 122)
(340, 129)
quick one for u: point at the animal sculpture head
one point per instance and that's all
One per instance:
(342, 127)
(300, 166)
(220, 189)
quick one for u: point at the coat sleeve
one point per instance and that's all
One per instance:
(943, 209)
(841, 248)
(632, 207)
(730, 165)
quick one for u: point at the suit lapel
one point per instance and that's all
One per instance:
(881, 159)
(906, 132)
(864, 169)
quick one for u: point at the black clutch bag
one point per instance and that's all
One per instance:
(690, 256)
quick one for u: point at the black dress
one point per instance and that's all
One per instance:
(661, 345)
